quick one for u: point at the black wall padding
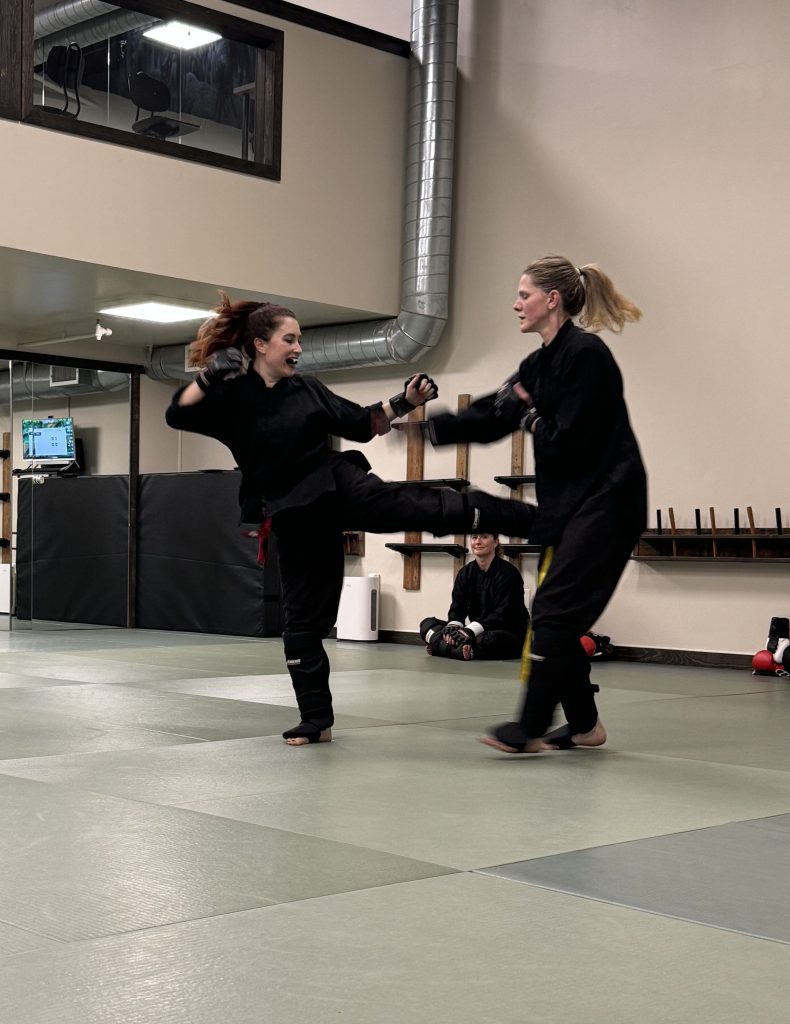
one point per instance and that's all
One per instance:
(195, 570)
(71, 560)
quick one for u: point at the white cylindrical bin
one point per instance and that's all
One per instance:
(358, 614)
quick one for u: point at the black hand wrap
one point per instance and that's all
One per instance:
(528, 419)
(509, 405)
(400, 404)
(460, 635)
(223, 364)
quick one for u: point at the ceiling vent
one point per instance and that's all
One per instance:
(65, 376)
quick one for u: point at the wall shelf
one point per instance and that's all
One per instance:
(759, 545)
(520, 549)
(515, 481)
(429, 549)
(457, 483)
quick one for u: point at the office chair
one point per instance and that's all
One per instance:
(153, 95)
(64, 66)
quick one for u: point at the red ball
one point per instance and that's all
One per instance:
(764, 664)
(589, 645)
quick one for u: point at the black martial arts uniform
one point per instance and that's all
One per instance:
(591, 490)
(280, 439)
(493, 603)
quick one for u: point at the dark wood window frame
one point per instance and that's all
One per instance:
(16, 76)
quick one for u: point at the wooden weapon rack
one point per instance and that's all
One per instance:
(712, 543)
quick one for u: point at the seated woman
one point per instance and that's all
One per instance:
(489, 592)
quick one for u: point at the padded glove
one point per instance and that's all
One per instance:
(509, 404)
(401, 405)
(222, 365)
(459, 635)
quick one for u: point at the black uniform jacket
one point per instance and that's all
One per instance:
(279, 436)
(494, 598)
(583, 442)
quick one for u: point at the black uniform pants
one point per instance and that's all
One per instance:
(581, 574)
(310, 549)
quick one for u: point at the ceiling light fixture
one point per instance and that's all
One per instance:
(157, 312)
(181, 36)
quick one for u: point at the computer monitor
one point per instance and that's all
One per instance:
(49, 441)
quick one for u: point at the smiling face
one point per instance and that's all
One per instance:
(533, 306)
(483, 545)
(278, 356)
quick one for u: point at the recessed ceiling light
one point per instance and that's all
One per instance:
(156, 312)
(181, 36)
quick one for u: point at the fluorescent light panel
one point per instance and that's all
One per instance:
(157, 312)
(181, 36)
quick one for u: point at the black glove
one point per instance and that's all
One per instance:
(510, 405)
(223, 364)
(459, 635)
(400, 404)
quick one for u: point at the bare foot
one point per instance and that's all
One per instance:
(530, 747)
(300, 741)
(596, 737)
(467, 652)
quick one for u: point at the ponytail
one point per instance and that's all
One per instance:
(236, 325)
(584, 290)
(604, 306)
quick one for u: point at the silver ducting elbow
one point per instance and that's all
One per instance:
(428, 196)
(427, 220)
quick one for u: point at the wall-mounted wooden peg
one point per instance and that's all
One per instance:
(712, 514)
(750, 517)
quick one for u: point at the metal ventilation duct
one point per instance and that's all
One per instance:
(32, 380)
(425, 266)
(428, 193)
(64, 15)
(94, 30)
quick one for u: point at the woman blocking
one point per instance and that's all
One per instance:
(278, 425)
(590, 485)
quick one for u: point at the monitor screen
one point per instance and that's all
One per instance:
(48, 440)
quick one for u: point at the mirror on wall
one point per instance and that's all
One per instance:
(67, 476)
(161, 76)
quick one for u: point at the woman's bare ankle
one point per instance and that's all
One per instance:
(300, 741)
(596, 737)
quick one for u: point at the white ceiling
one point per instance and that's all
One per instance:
(45, 298)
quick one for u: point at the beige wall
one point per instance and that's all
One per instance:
(313, 235)
(651, 138)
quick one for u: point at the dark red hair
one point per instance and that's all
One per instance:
(237, 325)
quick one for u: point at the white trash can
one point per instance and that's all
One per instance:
(358, 614)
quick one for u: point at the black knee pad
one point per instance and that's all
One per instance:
(456, 516)
(490, 514)
(300, 647)
(428, 624)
